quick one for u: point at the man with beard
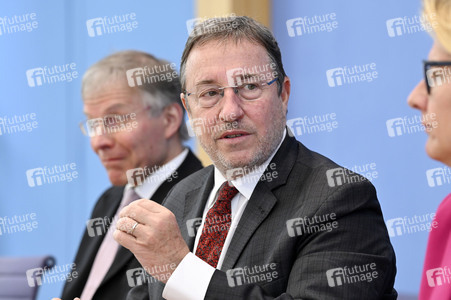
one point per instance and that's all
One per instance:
(314, 231)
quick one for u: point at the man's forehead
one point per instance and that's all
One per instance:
(228, 49)
(114, 98)
(109, 90)
(214, 59)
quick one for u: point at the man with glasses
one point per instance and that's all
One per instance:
(271, 219)
(135, 122)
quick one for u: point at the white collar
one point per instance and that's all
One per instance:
(153, 181)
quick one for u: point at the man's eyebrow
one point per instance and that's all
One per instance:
(110, 109)
(250, 75)
(210, 81)
(115, 107)
(202, 82)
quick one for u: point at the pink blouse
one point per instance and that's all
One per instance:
(436, 276)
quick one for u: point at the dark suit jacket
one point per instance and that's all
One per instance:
(309, 264)
(115, 284)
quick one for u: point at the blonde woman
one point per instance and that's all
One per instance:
(432, 96)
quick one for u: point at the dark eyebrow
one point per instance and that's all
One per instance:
(209, 81)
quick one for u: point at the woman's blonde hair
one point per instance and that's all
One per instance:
(438, 12)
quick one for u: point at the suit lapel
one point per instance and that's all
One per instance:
(262, 200)
(259, 206)
(194, 208)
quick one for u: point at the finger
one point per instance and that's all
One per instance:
(142, 205)
(140, 214)
(126, 240)
(151, 205)
(126, 225)
(143, 217)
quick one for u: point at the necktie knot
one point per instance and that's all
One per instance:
(226, 192)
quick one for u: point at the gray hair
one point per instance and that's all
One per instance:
(113, 68)
(235, 28)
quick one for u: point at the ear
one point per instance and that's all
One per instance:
(185, 104)
(285, 95)
(173, 118)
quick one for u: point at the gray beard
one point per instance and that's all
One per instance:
(264, 150)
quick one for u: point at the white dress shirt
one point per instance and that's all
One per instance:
(191, 278)
(152, 182)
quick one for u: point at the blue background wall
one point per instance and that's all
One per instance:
(61, 37)
(361, 109)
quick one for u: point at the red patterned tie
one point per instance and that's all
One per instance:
(216, 226)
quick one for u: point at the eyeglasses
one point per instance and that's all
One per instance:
(436, 73)
(209, 95)
(111, 123)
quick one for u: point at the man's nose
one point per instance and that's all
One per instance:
(231, 105)
(102, 141)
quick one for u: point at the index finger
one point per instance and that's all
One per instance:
(141, 206)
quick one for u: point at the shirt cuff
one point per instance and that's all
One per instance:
(189, 280)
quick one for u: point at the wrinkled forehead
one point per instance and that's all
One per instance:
(214, 60)
(107, 88)
(111, 97)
